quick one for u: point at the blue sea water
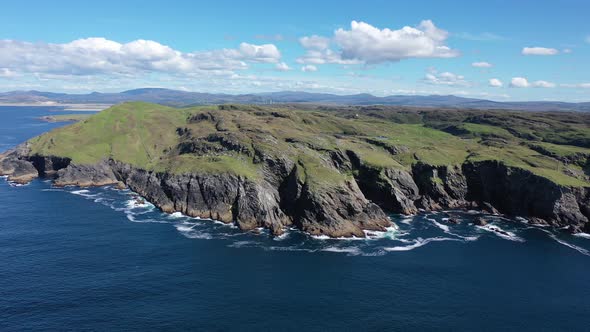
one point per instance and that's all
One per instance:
(98, 259)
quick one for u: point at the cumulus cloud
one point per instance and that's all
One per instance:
(102, 56)
(364, 43)
(281, 66)
(496, 83)
(445, 78)
(539, 51)
(260, 53)
(309, 68)
(521, 82)
(482, 64)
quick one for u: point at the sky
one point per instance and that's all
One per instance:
(492, 49)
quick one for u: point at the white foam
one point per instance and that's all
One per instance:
(185, 227)
(419, 242)
(501, 233)
(406, 221)
(176, 215)
(583, 235)
(569, 245)
(139, 203)
(445, 228)
(281, 237)
(197, 235)
(349, 250)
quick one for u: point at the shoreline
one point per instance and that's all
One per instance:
(66, 107)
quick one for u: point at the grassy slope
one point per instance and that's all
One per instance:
(146, 135)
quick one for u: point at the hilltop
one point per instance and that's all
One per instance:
(335, 171)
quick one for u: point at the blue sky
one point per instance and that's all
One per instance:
(501, 50)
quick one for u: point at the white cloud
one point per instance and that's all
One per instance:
(317, 57)
(281, 66)
(309, 68)
(482, 64)
(369, 44)
(539, 51)
(496, 83)
(543, 84)
(102, 56)
(519, 82)
(260, 53)
(567, 50)
(315, 42)
(587, 39)
(445, 78)
(364, 43)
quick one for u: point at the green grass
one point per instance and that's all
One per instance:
(161, 138)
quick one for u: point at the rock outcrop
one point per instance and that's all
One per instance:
(281, 199)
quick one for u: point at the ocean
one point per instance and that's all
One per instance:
(98, 259)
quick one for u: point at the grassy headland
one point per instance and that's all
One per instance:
(233, 139)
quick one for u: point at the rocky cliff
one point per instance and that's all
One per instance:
(283, 199)
(324, 174)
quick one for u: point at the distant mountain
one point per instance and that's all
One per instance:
(184, 98)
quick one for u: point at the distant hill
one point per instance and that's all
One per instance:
(184, 98)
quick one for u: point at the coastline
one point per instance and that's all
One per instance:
(66, 107)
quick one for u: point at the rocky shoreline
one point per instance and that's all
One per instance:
(281, 199)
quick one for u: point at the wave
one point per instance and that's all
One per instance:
(406, 221)
(445, 228)
(501, 233)
(419, 242)
(582, 235)
(569, 245)
(354, 251)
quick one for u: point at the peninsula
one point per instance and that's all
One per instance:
(327, 170)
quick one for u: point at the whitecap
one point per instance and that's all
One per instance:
(185, 227)
(349, 250)
(572, 246)
(281, 237)
(501, 233)
(406, 221)
(419, 242)
(445, 228)
(583, 235)
(176, 215)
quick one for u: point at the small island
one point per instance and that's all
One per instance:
(327, 170)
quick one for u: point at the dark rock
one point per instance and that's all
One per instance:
(489, 208)
(479, 221)
(454, 220)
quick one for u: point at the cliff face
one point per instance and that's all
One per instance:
(282, 199)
